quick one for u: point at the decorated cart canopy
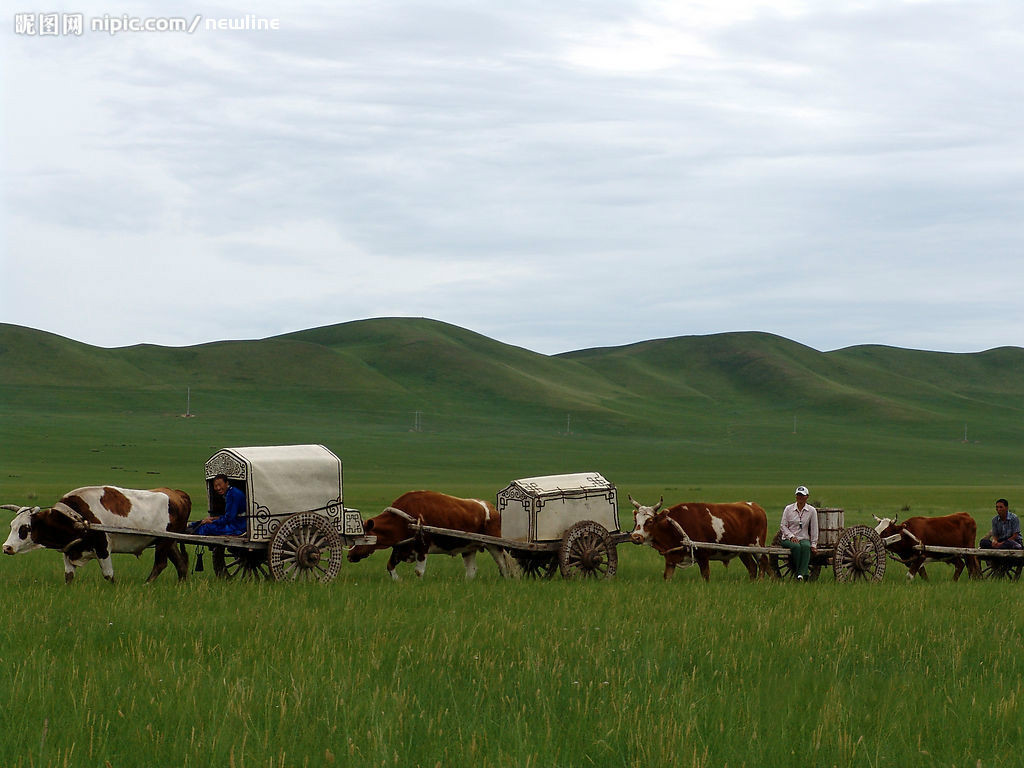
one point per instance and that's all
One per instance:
(280, 480)
(543, 508)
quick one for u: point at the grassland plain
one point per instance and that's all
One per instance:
(630, 672)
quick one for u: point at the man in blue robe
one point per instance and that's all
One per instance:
(232, 522)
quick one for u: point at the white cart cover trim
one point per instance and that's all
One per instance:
(281, 480)
(543, 508)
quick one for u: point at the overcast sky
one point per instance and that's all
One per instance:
(555, 175)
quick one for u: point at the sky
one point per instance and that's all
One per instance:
(556, 176)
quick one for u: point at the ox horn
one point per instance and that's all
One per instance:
(895, 517)
(660, 502)
(877, 518)
(633, 501)
(12, 507)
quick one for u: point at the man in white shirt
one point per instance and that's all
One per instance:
(799, 529)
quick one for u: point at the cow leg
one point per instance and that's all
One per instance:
(159, 559)
(973, 568)
(705, 568)
(751, 563)
(69, 570)
(469, 559)
(958, 567)
(670, 568)
(501, 558)
(180, 559)
(917, 567)
(102, 551)
(393, 562)
(421, 564)
(107, 567)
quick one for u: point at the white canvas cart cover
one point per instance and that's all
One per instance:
(543, 508)
(280, 480)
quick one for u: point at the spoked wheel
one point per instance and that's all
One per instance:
(305, 548)
(587, 551)
(240, 563)
(859, 555)
(542, 566)
(1001, 568)
(782, 565)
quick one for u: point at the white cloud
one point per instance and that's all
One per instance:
(556, 177)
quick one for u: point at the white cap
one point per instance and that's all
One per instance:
(801, 491)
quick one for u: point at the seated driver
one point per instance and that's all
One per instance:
(1005, 533)
(232, 522)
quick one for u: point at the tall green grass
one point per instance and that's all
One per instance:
(629, 672)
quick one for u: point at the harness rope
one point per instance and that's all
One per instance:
(416, 523)
(76, 518)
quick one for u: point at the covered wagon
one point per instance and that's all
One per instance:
(297, 523)
(566, 521)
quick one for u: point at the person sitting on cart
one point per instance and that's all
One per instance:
(799, 528)
(232, 522)
(1005, 533)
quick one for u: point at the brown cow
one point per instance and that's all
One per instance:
(742, 523)
(956, 530)
(65, 527)
(393, 529)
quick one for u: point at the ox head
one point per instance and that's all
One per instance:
(886, 525)
(889, 527)
(642, 519)
(362, 551)
(21, 539)
(389, 530)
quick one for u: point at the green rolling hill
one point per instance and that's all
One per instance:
(719, 406)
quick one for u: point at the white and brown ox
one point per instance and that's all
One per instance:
(65, 527)
(956, 530)
(395, 527)
(670, 531)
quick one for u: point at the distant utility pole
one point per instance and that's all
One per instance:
(965, 433)
(568, 424)
(417, 424)
(188, 402)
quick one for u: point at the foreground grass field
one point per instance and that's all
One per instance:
(631, 672)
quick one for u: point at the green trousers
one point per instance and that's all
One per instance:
(800, 551)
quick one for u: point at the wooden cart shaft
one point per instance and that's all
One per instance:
(211, 541)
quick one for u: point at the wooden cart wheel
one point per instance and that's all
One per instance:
(859, 555)
(240, 563)
(587, 550)
(1001, 568)
(305, 548)
(541, 566)
(783, 567)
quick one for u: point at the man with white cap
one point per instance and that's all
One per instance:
(799, 529)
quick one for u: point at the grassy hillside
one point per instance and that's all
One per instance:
(734, 410)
